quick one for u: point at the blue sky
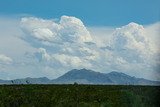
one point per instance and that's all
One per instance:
(47, 38)
(91, 12)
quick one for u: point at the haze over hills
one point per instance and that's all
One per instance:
(84, 76)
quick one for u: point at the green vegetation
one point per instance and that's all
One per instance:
(78, 96)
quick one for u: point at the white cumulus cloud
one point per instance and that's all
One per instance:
(5, 59)
(48, 47)
(72, 46)
(68, 29)
(131, 43)
(43, 34)
(61, 59)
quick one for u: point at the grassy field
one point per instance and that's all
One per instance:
(78, 96)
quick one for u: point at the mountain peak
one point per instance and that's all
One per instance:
(117, 73)
(89, 76)
(83, 70)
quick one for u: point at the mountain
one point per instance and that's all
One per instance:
(5, 82)
(123, 79)
(41, 80)
(84, 76)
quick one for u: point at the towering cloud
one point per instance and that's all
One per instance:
(68, 44)
(131, 43)
(56, 46)
(68, 29)
(74, 30)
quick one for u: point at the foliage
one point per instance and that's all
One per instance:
(78, 96)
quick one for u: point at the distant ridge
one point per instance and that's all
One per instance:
(84, 76)
(28, 80)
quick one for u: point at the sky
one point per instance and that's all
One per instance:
(91, 12)
(48, 38)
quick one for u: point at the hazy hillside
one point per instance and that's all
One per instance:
(84, 76)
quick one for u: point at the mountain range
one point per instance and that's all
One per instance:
(84, 76)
